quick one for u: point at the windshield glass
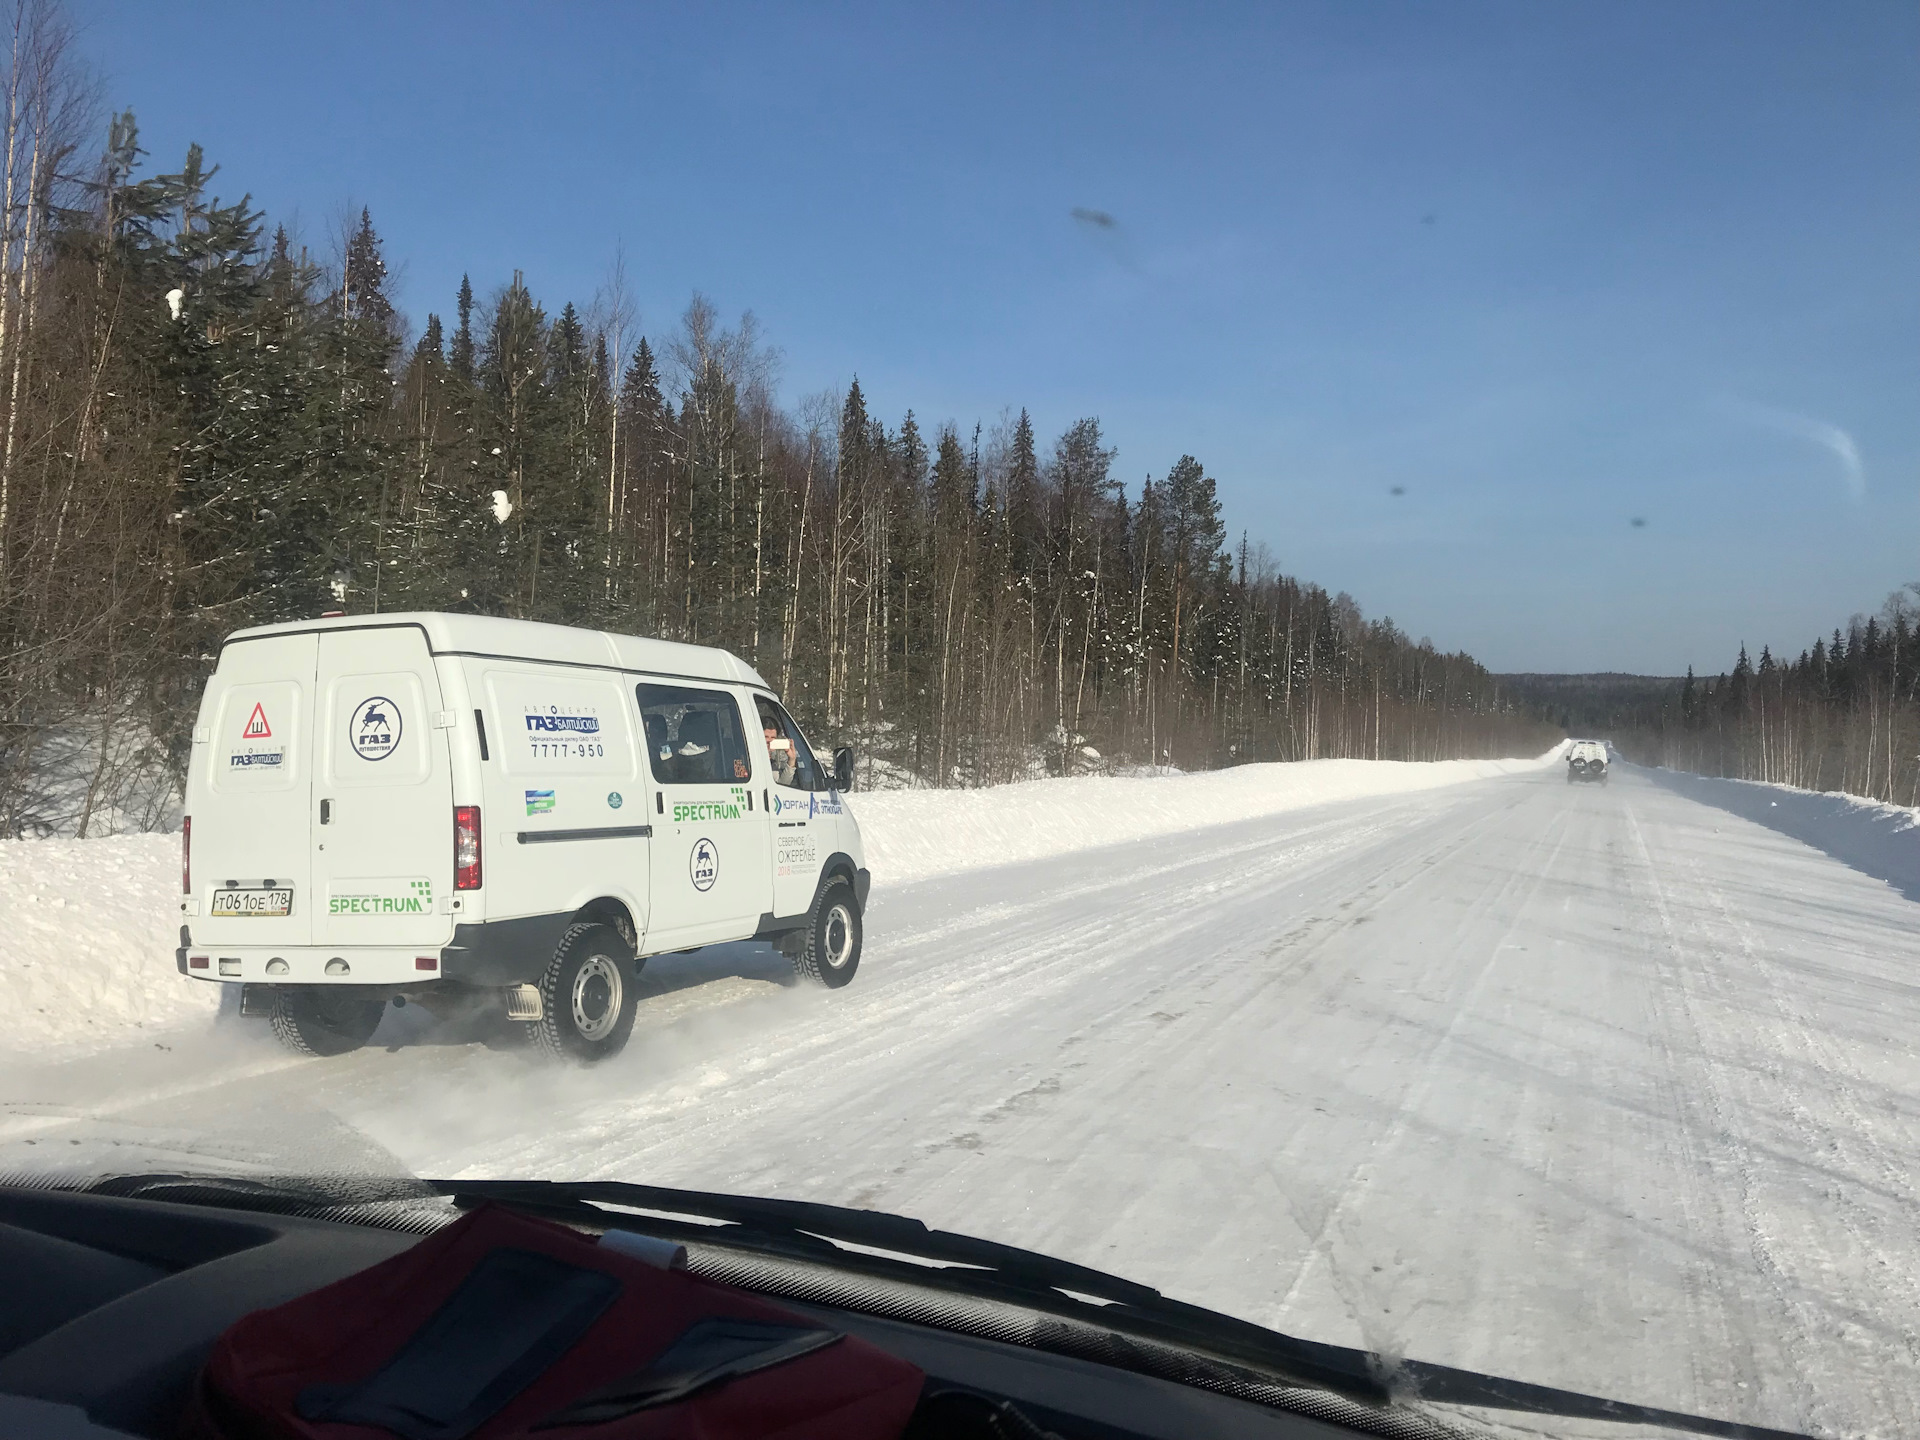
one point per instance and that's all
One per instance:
(1365, 557)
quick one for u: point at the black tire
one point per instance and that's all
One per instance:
(587, 995)
(831, 952)
(325, 1020)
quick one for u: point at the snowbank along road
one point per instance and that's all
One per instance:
(1608, 1088)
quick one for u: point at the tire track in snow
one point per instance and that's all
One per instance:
(918, 988)
(1752, 1050)
(1359, 1181)
(1730, 1159)
(1697, 1114)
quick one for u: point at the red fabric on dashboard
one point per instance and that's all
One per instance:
(350, 1330)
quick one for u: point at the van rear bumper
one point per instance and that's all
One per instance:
(308, 965)
(496, 952)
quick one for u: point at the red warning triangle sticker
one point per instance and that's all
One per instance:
(257, 727)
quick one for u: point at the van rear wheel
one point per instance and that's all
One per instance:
(831, 952)
(324, 1020)
(587, 995)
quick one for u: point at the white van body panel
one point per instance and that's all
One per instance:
(809, 826)
(563, 762)
(385, 724)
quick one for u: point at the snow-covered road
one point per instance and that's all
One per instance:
(1601, 1088)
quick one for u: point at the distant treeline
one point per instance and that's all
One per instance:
(1595, 705)
(207, 427)
(1844, 715)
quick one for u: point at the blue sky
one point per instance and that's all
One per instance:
(1547, 268)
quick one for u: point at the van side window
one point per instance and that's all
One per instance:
(793, 763)
(694, 737)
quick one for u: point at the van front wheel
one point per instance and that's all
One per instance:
(587, 995)
(831, 952)
(323, 1020)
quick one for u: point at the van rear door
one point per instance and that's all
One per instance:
(383, 791)
(249, 796)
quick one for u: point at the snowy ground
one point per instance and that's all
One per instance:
(87, 932)
(1608, 1088)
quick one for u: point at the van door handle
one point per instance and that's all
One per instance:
(326, 811)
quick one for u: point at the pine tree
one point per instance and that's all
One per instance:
(1023, 499)
(427, 542)
(353, 480)
(641, 504)
(563, 495)
(1738, 685)
(462, 355)
(363, 286)
(513, 427)
(954, 490)
(1195, 535)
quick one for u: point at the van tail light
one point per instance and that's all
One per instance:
(186, 855)
(466, 847)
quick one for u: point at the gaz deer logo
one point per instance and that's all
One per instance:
(375, 728)
(704, 865)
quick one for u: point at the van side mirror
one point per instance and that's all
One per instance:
(843, 768)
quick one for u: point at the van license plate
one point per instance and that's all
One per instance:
(253, 902)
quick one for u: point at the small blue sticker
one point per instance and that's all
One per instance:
(539, 802)
(614, 801)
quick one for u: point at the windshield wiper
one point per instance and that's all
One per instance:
(963, 1264)
(985, 1269)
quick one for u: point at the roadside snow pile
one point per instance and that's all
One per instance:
(1877, 839)
(91, 925)
(89, 931)
(918, 834)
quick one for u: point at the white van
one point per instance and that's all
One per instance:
(466, 811)
(1587, 761)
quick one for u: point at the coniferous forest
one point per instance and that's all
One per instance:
(210, 423)
(1844, 715)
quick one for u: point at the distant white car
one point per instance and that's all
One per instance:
(1587, 760)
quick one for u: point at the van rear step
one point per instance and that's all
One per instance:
(523, 1002)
